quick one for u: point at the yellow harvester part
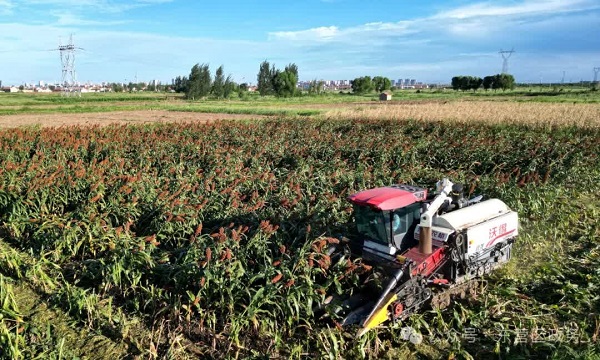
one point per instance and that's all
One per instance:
(379, 316)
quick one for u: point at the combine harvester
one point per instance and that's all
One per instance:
(432, 248)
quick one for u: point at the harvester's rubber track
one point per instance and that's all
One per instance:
(468, 289)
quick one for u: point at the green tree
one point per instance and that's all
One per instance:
(496, 83)
(205, 80)
(381, 83)
(456, 82)
(264, 79)
(475, 82)
(465, 82)
(180, 84)
(218, 86)
(503, 81)
(362, 85)
(199, 83)
(315, 87)
(116, 87)
(193, 89)
(293, 68)
(228, 86)
(292, 77)
(507, 82)
(284, 83)
(487, 83)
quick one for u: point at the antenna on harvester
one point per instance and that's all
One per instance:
(69, 76)
(505, 56)
(596, 71)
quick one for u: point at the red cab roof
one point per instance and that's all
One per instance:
(389, 197)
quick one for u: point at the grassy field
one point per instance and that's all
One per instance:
(204, 240)
(252, 103)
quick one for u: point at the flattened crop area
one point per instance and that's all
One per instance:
(114, 117)
(207, 240)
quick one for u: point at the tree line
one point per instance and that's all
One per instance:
(365, 84)
(272, 81)
(284, 82)
(200, 83)
(494, 82)
(140, 86)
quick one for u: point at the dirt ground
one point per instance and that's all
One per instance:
(114, 117)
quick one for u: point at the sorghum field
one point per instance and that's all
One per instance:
(204, 240)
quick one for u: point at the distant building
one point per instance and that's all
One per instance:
(384, 96)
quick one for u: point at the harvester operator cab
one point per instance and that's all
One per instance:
(387, 227)
(386, 218)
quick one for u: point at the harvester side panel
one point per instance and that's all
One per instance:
(491, 232)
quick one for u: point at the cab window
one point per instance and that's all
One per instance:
(402, 219)
(373, 224)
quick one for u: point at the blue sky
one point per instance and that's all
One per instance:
(328, 39)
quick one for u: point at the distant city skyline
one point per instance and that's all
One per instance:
(328, 39)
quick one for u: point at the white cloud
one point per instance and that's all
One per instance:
(472, 28)
(6, 7)
(104, 6)
(322, 33)
(70, 19)
(354, 34)
(526, 8)
(467, 21)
